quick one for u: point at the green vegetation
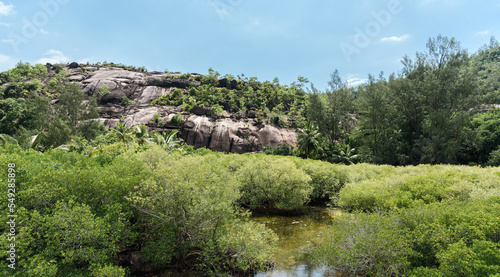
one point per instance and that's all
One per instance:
(176, 119)
(274, 183)
(278, 104)
(88, 197)
(439, 109)
(422, 221)
(81, 210)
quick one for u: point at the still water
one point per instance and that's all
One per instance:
(298, 235)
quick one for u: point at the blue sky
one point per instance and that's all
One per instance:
(266, 39)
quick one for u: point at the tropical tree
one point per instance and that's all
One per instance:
(376, 130)
(332, 111)
(168, 140)
(345, 154)
(309, 139)
(72, 107)
(122, 132)
(31, 142)
(141, 134)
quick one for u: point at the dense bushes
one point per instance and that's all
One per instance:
(326, 179)
(415, 186)
(439, 239)
(77, 213)
(269, 101)
(199, 211)
(366, 245)
(423, 221)
(276, 183)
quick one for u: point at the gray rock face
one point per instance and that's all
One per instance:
(198, 128)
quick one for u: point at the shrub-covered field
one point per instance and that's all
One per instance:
(84, 215)
(131, 207)
(416, 221)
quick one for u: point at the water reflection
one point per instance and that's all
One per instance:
(298, 235)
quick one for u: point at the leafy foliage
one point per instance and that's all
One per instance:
(276, 183)
(308, 139)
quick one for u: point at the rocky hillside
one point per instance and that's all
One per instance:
(226, 132)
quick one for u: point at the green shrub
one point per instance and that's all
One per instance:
(482, 258)
(494, 158)
(177, 93)
(155, 119)
(39, 266)
(365, 245)
(416, 186)
(326, 179)
(277, 183)
(103, 90)
(189, 202)
(108, 270)
(283, 150)
(217, 110)
(127, 102)
(438, 239)
(77, 236)
(176, 119)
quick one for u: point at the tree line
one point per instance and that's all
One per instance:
(439, 108)
(433, 111)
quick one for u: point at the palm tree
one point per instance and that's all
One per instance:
(141, 134)
(309, 139)
(168, 140)
(31, 143)
(122, 132)
(346, 154)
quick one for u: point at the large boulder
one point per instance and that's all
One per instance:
(225, 83)
(226, 134)
(73, 65)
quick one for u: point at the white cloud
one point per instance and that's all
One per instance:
(6, 9)
(54, 56)
(43, 31)
(483, 33)
(352, 82)
(395, 38)
(4, 24)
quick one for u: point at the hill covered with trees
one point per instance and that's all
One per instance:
(440, 108)
(107, 172)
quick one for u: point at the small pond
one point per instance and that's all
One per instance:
(298, 235)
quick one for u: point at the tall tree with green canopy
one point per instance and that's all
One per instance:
(433, 97)
(375, 128)
(450, 88)
(332, 110)
(308, 139)
(71, 105)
